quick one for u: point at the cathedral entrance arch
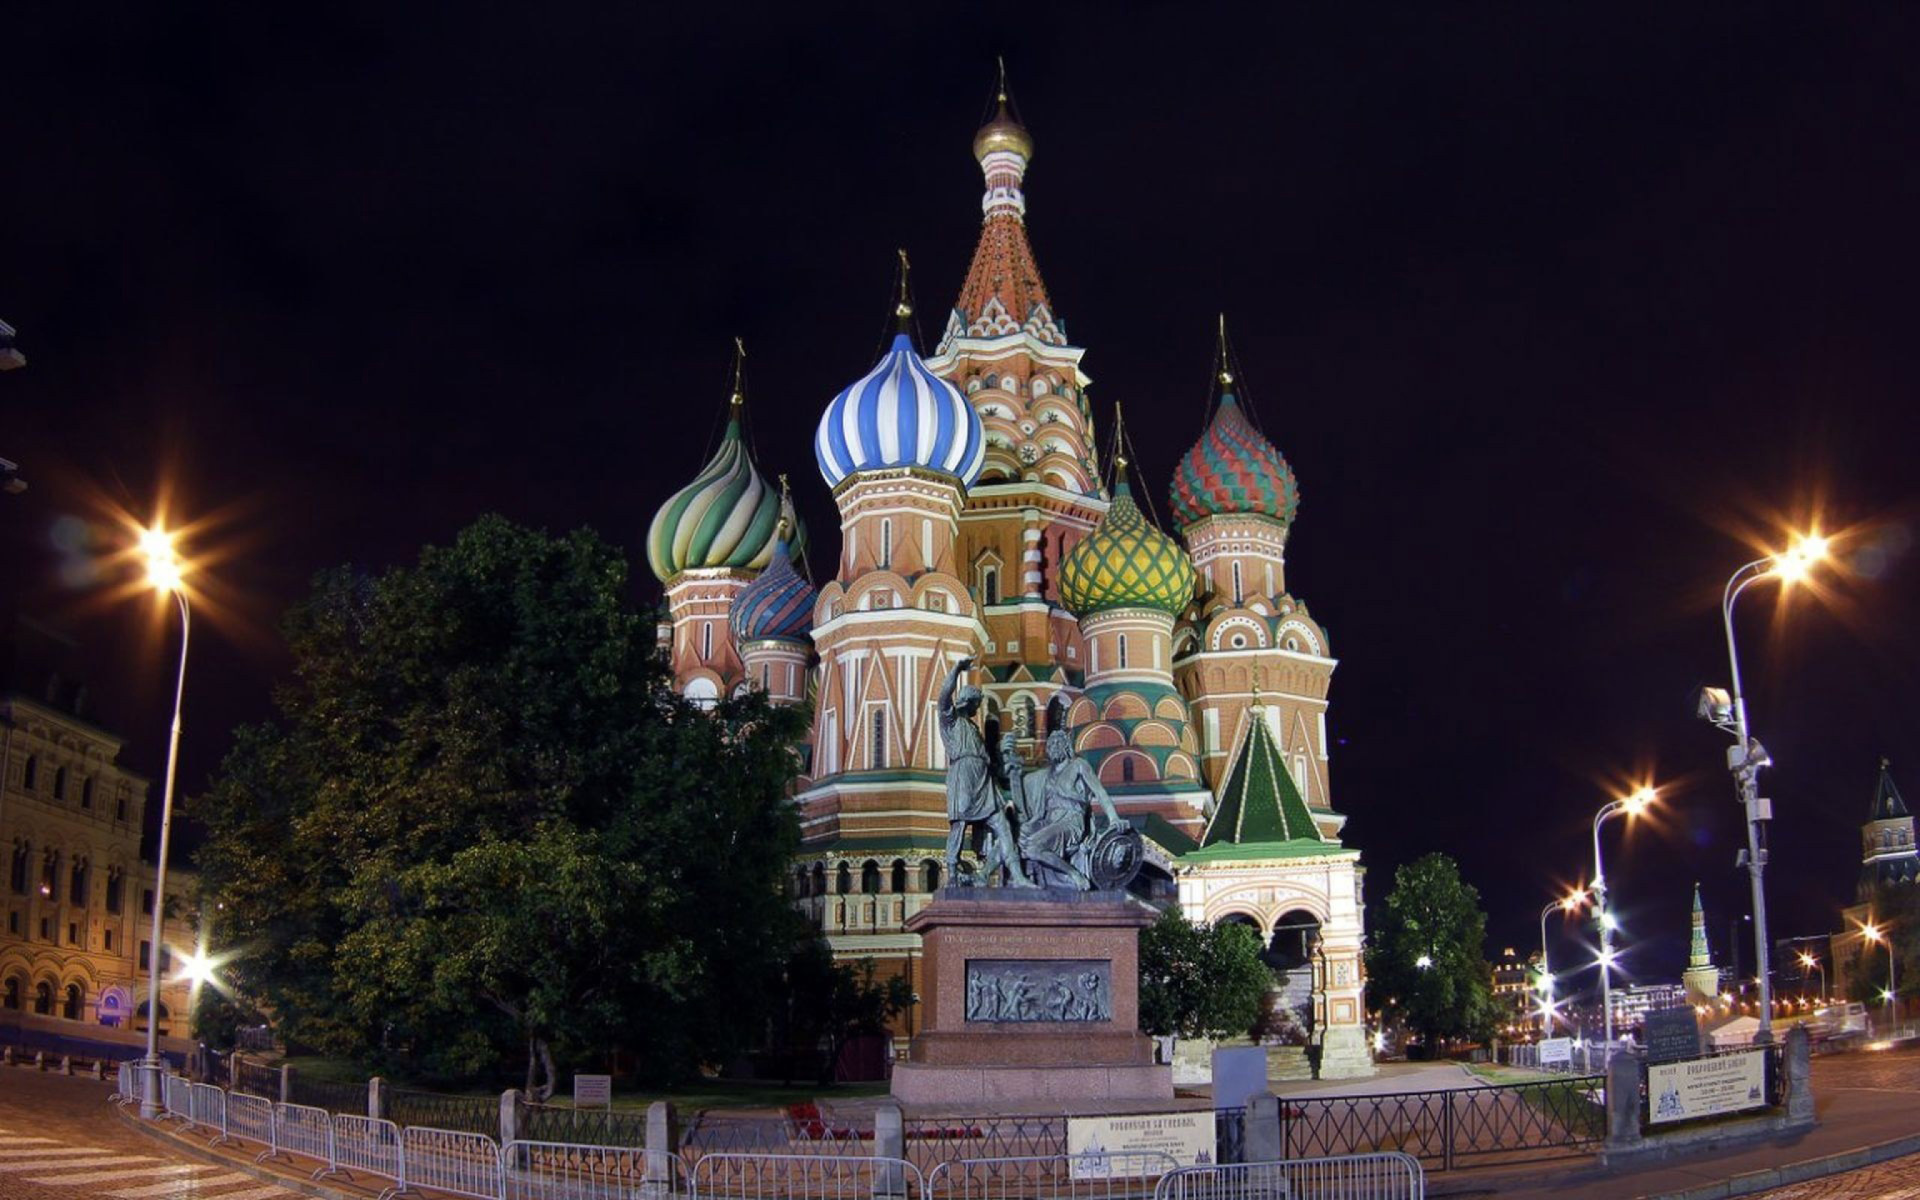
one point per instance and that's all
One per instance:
(1294, 954)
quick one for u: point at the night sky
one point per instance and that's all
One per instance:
(1556, 313)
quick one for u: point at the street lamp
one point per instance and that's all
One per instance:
(1747, 756)
(1632, 805)
(1872, 933)
(1809, 963)
(1546, 969)
(164, 572)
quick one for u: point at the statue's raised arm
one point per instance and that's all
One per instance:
(953, 683)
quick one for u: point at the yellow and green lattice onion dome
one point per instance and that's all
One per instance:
(1126, 563)
(727, 517)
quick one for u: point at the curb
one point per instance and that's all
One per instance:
(1796, 1172)
(195, 1149)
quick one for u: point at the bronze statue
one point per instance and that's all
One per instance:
(973, 795)
(1056, 829)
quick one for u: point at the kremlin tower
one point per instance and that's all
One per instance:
(1701, 979)
(975, 523)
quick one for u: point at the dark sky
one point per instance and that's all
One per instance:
(1552, 310)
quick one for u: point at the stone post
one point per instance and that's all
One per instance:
(511, 1102)
(889, 1142)
(377, 1098)
(6, 1056)
(39, 1060)
(663, 1144)
(66, 1064)
(1797, 1062)
(287, 1074)
(233, 1071)
(1623, 1104)
(1260, 1139)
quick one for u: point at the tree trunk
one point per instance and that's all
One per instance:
(539, 1052)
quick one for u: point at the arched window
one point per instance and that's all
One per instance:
(1056, 713)
(886, 541)
(116, 889)
(59, 783)
(49, 872)
(1123, 651)
(930, 876)
(17, 873)
(800, 883)
(706, 639)
(43, 998)
(846, 879)
(870, 878)
(30, 774)
(10, 993)
(899, 876)
(1126, 770)
(819, 879)
(86, 792)
(120, 808)
(989, 591)
(877, 740)
(1238, 594)
(77, 882)
(75, 1003)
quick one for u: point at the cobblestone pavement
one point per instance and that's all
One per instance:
(59, 1141)
(1895, 1179)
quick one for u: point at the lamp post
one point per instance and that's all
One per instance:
(1632, 806)
(164, 570)
(1546, 968)
(1809, 963)
(1872, 933)
(1747, 756)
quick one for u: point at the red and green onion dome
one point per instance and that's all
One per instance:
(1233, 469)
(777, 606)
(727, 517)
(1126, 563)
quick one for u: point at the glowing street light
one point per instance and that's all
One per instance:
(1809, 963)
(1747, 757)
(1632, 805)
(1873, 934)
(1424, 962)
(1545, 985)
(165, 574)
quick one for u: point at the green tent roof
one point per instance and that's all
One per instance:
(1260, 804)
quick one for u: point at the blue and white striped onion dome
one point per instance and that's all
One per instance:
(900, 414)
(727, 517)
(778, 605)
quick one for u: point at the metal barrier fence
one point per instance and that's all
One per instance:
(1509, 1123)
(466, 1114)
(208, 1104)
(559, 1171)
(250, 1118)
(366, 1146)
(1127, 1175)
(451, 1161)
(179, 1098)
(932, 1141)
(306, 1131)
(806, 1177)
(1389, 1176)
(123, 1078)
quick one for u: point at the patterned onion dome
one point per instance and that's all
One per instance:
(1126, 563)
(777, 605)
(900, 414)
(725, 518)
(1233, 469)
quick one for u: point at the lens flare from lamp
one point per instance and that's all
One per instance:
(1424, 961)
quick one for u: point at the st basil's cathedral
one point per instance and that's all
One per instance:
(977, 521)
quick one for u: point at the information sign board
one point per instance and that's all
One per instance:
(1556, 1052)
(1706, 1087)
(1186, 1136)
(1672, 1034)
(593, 1091)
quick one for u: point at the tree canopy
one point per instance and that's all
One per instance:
(1200, 981)
(483, 829)
(1426, 952)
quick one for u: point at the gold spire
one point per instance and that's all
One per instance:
(1002, 132)
(739, 375)
(1226, 375)
(1119, 447)
(903, 308)
(783, 529)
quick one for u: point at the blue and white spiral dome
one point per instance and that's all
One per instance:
(900, 414)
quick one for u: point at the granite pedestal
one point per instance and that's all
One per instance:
(1033, 995)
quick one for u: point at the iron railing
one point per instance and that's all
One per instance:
(437, 1110)
(1387, 1176)
(1505, 1123)
(934, 1140)
(1099, 1175)
(329, 1094)
(255, 1079)
(583, 1126)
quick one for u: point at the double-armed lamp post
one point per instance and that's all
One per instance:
(164, 572)
(1746, 757)
(1566, 905)
(1632, 806)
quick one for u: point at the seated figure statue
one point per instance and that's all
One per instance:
(1057, 824)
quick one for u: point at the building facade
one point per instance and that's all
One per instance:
(78, 897)
(979, 520)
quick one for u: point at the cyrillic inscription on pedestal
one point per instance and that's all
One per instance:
(1044, 990)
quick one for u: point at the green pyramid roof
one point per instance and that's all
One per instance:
(1259, 804)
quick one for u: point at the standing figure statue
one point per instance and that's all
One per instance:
(1056, 825)
(973, 796)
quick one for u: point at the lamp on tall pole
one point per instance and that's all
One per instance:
(1632, 805)
(1546, 969)
(1809, 963)
(1747, 757)
(1872, 933)
(164, 572)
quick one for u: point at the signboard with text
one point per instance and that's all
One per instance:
(593, 1091)
(1185, 1136)
(1706, 1087)
(1556, 1052)
(1672, 1034)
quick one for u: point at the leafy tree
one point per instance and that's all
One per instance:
(483, 827)
(833, 1002)
(1426, 952)
(1199, 981)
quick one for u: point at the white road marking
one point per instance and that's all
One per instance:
(113, 1176)
(12, 1140)
(263, 1193)
(173, 1189)
(48, 1151)
(69, 1164)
